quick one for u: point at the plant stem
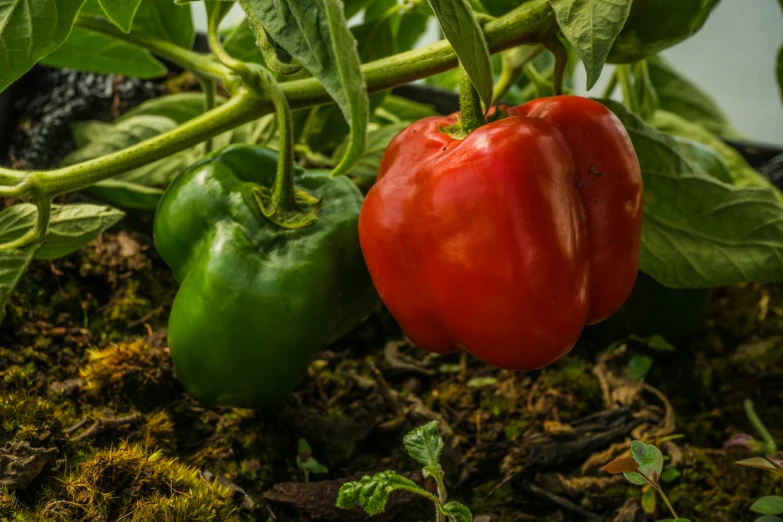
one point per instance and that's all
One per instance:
(471, 116)
(665, 500)
(236, 111)
(629, 97)
(185, 58)
(532, 22)
(561, 61)
(762, 431)
(514, 62)
(43, 204)
(209, 86)
(611, 86)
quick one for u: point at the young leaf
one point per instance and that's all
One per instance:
(670, 475)
(13, 263)
(650, 462)
(658, 342)
(757, 462)
(86, 50)
(770, 505)
(373, 492)
(31, 29)
(305, 460)
(591, 26)
(679, 95)
(70, 227)
(648, 501)
(316, 35)
(639, 365)
(456, 511)
(425, 445)
(465, 35)
(121, 12)
(699, 232)
(621, 465)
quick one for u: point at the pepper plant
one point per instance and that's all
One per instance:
(271, 256)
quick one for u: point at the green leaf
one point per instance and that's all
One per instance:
(179, 107)
(365, 170)
(30, 30)
(424, 444)
(480, 382)
(591, 26)
(648, 501)
(465, 35)
(373, 492)
(670, 475)
(125, 194)
(121, 12)
(770, 505)
(165, 20)
(639, 365)
(703, 158)
(90, 51)
(122, 134)
(13, 263)
(679, 95)
(742, 174)
(658, 342)
(316, 35)
(456, 511)
(305, 460)
(757, 462)
(699, 232)
(650, 462)
(769, 518)
(70, 227)
(240, 42)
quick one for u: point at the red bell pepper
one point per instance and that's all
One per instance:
(508, 242)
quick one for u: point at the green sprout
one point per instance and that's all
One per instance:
(425, 445)
(644, 467)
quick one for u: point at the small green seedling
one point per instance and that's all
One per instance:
(306, 462)
(772, 505)
(425, 445)
(642, 468)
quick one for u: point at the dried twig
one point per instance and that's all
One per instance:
(101, 424)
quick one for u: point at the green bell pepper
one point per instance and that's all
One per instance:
(257, 300)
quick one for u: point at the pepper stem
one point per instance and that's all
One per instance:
(469, 104)
(284, 205)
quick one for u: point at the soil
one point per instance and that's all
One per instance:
(96, 427)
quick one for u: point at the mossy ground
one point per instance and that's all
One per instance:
(85, 369)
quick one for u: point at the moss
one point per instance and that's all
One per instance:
(732, 488)
(28, 418)
(572, 379)
(131, 372)
(131, 484)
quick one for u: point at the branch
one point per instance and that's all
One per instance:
(532, 22)
(197, 62)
